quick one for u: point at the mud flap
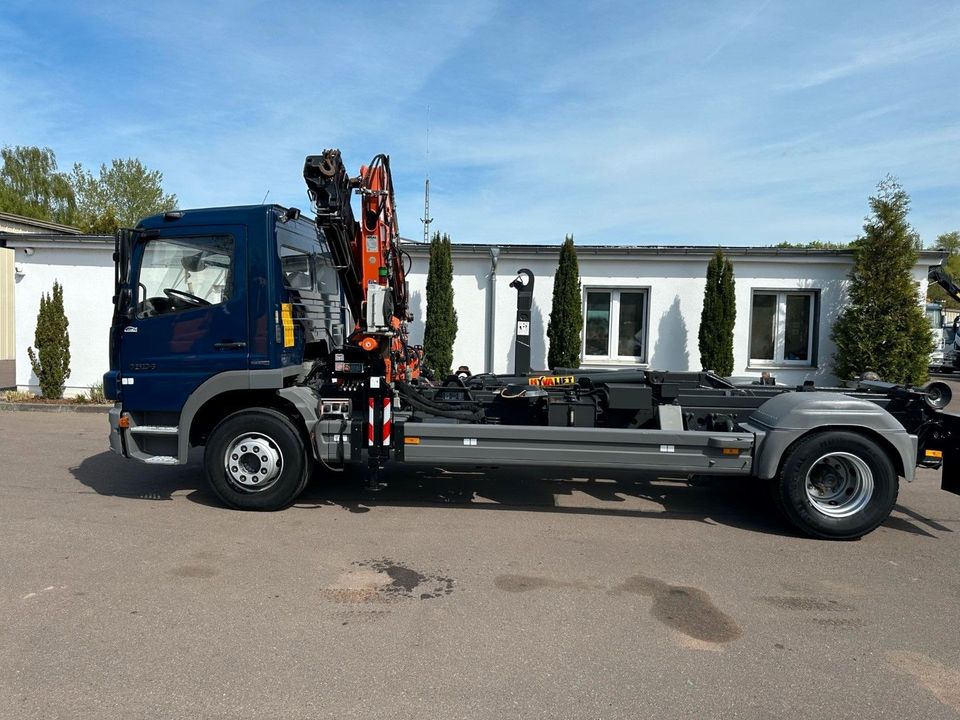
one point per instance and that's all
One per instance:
(950, 444)
(950, 472)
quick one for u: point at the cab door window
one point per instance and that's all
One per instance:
(297, 267)
(184, 273)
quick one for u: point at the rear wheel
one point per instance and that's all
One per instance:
(256, 460)
(838, 485)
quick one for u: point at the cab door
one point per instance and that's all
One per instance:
(188, 316)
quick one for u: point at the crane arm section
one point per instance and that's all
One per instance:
(942, 278)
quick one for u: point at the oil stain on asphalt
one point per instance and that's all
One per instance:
(193, 571)
(523, 583)
(685, 609)
(838, 611)
(405, 582)
(808, 603)
(387, 581)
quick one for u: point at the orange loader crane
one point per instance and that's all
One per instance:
(368, 256)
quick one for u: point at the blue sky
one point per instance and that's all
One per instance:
(742, 123)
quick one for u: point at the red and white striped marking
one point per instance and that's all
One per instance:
(387, 422)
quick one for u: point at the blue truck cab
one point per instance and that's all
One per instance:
(215, 310)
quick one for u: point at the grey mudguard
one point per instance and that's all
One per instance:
(786, 418)
(225, 382)
(304, 399)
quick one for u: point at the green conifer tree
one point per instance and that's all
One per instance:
(883, 327)
(51, 360)
(440, 329)
(719, 316)
(566, 311)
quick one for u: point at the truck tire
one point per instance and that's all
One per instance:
(256, 460)
(836, 485)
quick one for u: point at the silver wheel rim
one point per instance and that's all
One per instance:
(839, 485)
(253, 463)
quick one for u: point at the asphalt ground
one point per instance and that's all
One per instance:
(127, 592)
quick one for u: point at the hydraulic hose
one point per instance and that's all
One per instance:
(458, 411)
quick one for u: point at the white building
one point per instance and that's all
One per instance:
(83, 265)
(642, 304)
(15, 224)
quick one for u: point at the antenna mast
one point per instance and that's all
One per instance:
(426, 219)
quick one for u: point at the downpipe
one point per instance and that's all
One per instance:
(492, 306)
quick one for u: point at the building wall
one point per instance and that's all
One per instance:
(86, 274)
(675, 285)
(7, 310)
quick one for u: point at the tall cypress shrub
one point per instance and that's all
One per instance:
(883, 327)
(51, 359)
(566, 312)
(440, 329)
(719, 316)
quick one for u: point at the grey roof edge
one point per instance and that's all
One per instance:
(419, 248)
(46, 224)
(28, 239)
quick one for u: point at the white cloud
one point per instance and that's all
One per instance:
(869, 54)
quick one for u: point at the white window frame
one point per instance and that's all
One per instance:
(779, 330)
(614, 328)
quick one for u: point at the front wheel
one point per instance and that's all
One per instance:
(837, 485)
(256, 460)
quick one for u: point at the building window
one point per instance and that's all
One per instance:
(615, 325)
(782, 328)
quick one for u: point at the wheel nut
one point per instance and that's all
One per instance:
(263, 457)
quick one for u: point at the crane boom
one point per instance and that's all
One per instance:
(366, 253)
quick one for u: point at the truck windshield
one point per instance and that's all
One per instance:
(181, 273)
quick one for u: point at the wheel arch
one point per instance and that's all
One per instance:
(227, 393)
(789, 418)
(222, 406)
(892, 452)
